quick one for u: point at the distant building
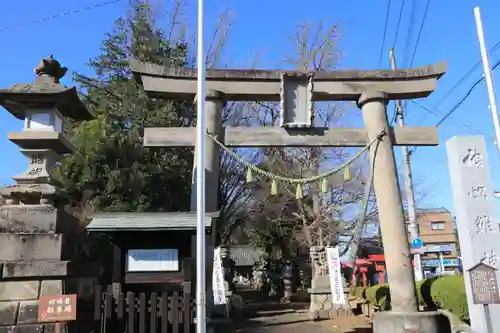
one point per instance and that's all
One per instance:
(437, 233)
(245, 255)
(436, 229)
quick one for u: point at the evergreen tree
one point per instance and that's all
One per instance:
(110, 170)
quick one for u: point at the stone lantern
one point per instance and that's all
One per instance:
(40, 241)
(43, 106)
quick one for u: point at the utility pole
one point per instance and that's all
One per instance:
(410, 197)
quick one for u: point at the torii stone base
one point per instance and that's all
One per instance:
(322, 307)
(412, 322)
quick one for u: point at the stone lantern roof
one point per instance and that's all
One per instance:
(46, 91)
(43, 105)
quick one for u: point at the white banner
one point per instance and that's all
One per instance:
(335, 271)
(218, 280)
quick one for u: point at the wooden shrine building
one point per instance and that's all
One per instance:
(151, 251)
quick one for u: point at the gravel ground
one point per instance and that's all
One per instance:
(261, 314)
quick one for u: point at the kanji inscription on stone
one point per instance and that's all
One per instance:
(57, 308)
(37, 159)
(490, 258)
(483, 224)
(478, 192)
(473, 159)
(484, 284)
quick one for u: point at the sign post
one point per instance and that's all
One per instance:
(418, 250)
(484, 286)
(57, 309)
(334, 267)
(218, 287)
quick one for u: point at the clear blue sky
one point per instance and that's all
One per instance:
(262, 27)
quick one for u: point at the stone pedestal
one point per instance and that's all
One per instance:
(39, 243)
(414, 322)
(287, 291)
(35, 328)
(321, 305)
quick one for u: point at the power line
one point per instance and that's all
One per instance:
(436, 112)
(401, 8)
(420, 32)
(399, 22)
(459, 83)
(385, 32)
(61, 15)
(452, 110)
(409, 37)
(418, 39)
(449, 113)
(469, 73)
(409, 34)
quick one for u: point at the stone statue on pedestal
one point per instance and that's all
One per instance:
(259, 273)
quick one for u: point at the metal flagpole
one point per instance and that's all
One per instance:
(487, 74)
(201, 322)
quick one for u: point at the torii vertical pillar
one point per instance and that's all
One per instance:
(404, 316)
(214, 103)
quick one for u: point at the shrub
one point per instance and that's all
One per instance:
(448, 292)
(378, 295)
(360, 292)
(424, 292)
(357, 292)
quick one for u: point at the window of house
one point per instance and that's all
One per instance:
(437, 225)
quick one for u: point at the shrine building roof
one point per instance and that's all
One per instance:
(175, 221)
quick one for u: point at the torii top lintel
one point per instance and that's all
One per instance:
(265, 85)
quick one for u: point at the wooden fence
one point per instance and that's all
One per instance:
(144, 312)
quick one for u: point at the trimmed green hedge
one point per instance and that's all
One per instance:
(357, 292)
(446, 292)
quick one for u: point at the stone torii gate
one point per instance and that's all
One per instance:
(370, 89)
